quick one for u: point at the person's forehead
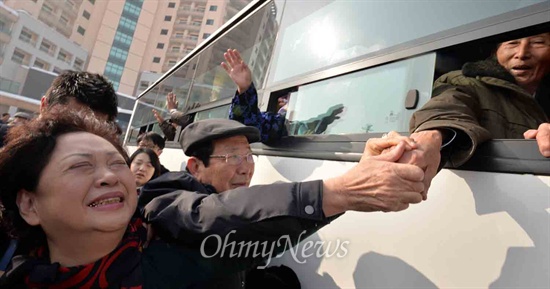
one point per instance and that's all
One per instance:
(231, 144)
(544, 35)
(146, 142)
(82, 142)
(143, 157)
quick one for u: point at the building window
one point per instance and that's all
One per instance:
(92, 1)
(25, 35)
(63, 20)
(164, 32)
(171, 4)
(57, 70)
(64, 56)
(205, 35)
(86, 14)
(167, 18)
(80, 30)
(47, 8)
(44, 46)
(113, 70)
(156, 59)
(78, 63)
(47, 47)
(131, 8)
(213, 8)
(143, 85)
(119, 53)
(172, 62)
(38, 63)
(128, 23)
(160, 45)
(175, 49)
(210, 22)
(179, 35)
(18, 57)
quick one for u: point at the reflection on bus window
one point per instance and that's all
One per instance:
(374, 99)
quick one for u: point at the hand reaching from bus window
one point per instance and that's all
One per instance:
(426, 153)
(427, 156)
(159, 118)
(375, 146)
(171, 102)
(237, 70)
(542, 135)
(375, 184)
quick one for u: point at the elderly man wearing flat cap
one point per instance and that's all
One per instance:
(211, 200)
(18, 119)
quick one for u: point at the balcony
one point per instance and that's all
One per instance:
(175, 54)
(71, 11)
(186, 10)
(66, 30)
(187, 26)
(190, 40)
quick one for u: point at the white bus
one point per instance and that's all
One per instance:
(485, 224)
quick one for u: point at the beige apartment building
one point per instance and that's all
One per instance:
(126, 37)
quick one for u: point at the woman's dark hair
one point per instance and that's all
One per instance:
(27, 151)
(152, 156)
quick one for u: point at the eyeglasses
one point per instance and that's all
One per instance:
(237, 159)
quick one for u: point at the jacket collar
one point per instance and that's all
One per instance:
(489, 67)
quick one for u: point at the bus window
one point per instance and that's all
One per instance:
(372, 100)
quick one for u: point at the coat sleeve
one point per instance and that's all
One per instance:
(457, 107)
(244, 109)
(234, 230)
(181, 118)
(168, 130)
(258, 213)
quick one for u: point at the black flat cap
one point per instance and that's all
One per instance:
(212, 129)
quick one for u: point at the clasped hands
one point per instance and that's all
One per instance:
(421, 149)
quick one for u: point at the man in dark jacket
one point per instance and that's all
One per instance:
(506, 96)
(18, 119)
(212, 197)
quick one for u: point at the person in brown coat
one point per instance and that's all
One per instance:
(506, 96)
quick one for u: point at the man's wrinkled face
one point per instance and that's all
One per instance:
(527, 59)
(225, 176)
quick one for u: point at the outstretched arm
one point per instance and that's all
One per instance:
(237, 69)
(244, 106)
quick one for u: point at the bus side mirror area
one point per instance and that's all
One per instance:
(411, 100)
